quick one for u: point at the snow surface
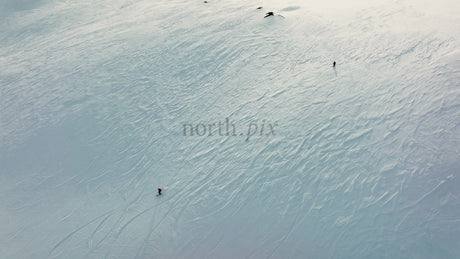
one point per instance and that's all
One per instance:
(363, 160)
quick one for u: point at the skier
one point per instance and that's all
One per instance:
(333, 64)
(269, 14)
(159, 191)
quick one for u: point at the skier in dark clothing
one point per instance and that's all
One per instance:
(269, 14)
(333, 64)
(159, 191)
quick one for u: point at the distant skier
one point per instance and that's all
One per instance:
(269, 14)
(159, 191)
(333, 64)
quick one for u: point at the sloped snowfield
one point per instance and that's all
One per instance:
(289, 158)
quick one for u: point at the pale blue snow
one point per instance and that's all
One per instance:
(363, 161)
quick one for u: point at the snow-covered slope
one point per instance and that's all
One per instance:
(360, 161)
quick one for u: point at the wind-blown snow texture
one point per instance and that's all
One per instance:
(363, 161)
